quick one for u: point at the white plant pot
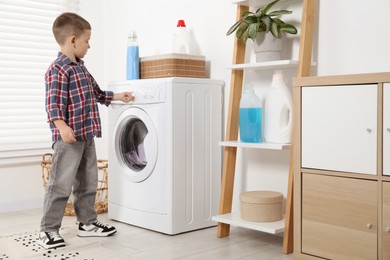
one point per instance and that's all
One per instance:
(269, 48)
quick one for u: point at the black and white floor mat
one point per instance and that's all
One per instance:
(25, 246)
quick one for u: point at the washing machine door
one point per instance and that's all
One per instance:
(136, 144)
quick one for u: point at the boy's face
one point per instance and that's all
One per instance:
(81, 44)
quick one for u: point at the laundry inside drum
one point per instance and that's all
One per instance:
(132, 144)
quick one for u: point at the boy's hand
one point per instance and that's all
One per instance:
(67, 134)
(124, 96)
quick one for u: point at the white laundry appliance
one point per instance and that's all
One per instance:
(164, 158)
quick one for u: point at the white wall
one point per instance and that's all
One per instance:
(155, 21)
(352, 38)
(21, 187)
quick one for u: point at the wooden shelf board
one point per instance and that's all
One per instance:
(234, 219)
(267, 146)
(267, 65)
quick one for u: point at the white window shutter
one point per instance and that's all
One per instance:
(27, 47)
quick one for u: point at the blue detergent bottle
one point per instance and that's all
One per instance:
(250, 116)
(132, 62)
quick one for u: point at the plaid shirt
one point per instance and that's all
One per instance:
(72, 95)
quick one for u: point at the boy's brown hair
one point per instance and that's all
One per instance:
(69, 24)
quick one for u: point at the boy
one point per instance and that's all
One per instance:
(71, 105)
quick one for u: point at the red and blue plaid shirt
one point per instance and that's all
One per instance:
(72, 95)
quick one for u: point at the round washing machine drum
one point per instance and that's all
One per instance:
(136, 144)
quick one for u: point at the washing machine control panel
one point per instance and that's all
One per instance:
(148, 94)
(144, 92)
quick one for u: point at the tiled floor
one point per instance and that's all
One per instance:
(136, 243)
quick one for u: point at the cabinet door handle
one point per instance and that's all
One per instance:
(388, 129)
(369, 225)
(369, 130)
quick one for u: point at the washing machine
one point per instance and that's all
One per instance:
(163, 154)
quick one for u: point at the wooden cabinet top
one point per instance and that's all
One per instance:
(367, 78)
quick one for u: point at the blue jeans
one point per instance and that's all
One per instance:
(73, 165)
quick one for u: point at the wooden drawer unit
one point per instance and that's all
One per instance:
(336, 211)
(342, 167)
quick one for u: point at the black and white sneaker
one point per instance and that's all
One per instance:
(49, 240)
(96, 229)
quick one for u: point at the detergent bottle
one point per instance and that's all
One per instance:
(278, 119)
(250, 116)
(181, 39)
(132, 62)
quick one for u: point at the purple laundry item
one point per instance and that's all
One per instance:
(137, 157)
(132, 144)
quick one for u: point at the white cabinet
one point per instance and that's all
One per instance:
(386, 129)
(339, 128)
(342, 168)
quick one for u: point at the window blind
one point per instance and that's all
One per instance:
(27, 47)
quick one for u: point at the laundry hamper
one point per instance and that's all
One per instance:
(101, 202)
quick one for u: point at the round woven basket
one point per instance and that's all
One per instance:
(101, 202)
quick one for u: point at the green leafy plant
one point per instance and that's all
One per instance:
(262, 21)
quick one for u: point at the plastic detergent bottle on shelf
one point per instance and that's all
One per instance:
(250, 116)
(278, 105)
(132, 64)
(181, 39)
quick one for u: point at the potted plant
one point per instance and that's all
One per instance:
(257, 25)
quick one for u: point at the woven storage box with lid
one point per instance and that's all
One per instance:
(173, 65)
(261, 206)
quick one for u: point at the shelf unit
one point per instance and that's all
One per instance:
(225, 217)
(234, 219)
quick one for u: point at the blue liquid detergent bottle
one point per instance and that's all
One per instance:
(132, 63)
(250, 117)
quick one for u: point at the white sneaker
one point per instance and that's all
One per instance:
(49, 240)
(96, 229)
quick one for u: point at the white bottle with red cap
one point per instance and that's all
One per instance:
(181, 39)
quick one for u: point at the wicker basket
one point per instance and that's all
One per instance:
(101, 202)
(173, 65)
